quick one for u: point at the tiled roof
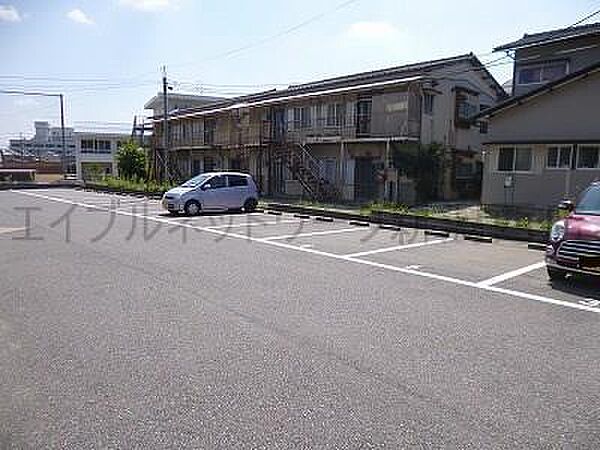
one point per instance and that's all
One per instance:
(364, 78)
(551, 36)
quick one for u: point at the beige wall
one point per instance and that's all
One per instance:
(569, 115)
(543, 187)
(571, 112)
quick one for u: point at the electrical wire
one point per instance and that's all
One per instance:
(589, 16)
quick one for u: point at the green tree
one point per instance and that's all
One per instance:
(131, 160)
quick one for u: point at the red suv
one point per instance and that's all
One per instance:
(575, 240)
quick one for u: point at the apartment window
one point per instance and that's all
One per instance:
(588, 157)
(320, 115)
(466, 108)
(483, 126)
(305, 117)
(103, 146)
(87, 144)
(297, 117)
(511, 159)
(336, 114)
(210, 126)
(559, 157)
(542, 73)
(428, 100)
(363, 117)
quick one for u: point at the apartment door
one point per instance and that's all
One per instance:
(279, 125)
(196, 167)
(365, 184)
(209, 164)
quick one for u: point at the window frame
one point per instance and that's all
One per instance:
(579, 151)
(515, 149)
(560, 148)
(541, 66)
(237, 177)
(335, 115)
(428, 103)
(215, 177)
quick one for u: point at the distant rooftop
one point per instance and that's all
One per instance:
(157, 100)
(546, 37)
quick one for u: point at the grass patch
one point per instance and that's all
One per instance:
(151, 187)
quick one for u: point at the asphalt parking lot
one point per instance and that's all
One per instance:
(123, 326)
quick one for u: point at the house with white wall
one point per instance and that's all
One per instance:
(95, 154)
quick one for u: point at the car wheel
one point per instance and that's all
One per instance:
(250, 205)
(556, 274)
(192, 208)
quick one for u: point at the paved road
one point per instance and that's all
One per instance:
(121, 327)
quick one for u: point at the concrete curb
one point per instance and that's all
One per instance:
(59, 185)
(482, 239)
(324, 219)
(437, 233)
(428, 223)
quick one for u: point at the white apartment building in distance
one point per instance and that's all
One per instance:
(96, 154)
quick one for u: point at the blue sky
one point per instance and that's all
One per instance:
(105, 55)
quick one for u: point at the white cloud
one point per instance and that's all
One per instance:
(9, 13)
(149, 5)
(371, 31)
(77, 15)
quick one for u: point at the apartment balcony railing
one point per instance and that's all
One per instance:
(231, 132)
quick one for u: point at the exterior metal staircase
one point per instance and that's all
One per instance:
(306, 169)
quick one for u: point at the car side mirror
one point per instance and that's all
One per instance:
(206, 187)
(566, 205)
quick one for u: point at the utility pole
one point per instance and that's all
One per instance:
(62, 131)
(22, 150)
(165, 125)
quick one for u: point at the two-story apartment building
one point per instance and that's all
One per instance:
(543, 144)
(338, 137)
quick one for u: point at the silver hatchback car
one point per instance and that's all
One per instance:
(213, 191)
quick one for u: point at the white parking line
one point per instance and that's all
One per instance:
(314, 233)
(399, 247)
(254, 224)
(512, 274)
(456, 281)
(11, 230)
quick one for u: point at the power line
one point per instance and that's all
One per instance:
(69, 80)
(284, 32)
(589, 16)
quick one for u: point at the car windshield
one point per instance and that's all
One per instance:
(590, 202)
(196, 181)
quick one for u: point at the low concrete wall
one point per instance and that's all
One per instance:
(427, 223)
